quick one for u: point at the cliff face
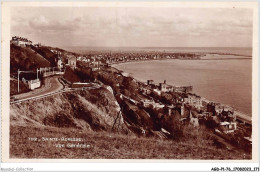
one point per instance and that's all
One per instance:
(95, 110)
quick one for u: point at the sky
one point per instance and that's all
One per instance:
(134, 26)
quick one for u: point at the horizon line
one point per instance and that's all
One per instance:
(147, 47)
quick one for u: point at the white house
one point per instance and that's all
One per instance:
(147, 102)
(193, 120)
(228, 127)
(36, 83)
(59, 63)
(194, 100)
(71, 61)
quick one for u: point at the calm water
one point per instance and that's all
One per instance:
(223, 81)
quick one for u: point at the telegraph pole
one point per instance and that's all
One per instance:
(19, 71)
(18, 79)
(37, 73)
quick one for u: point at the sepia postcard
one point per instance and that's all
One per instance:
(130, 81)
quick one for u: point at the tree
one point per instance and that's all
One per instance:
(129, 84)
(85, 73)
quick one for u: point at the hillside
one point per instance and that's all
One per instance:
(46, 53)
(95, 117)
(24, 58)
(108, 119)
(107, 145)
(96, 110)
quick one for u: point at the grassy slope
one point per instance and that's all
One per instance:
(26, 59)
(47, 54)
(71, 76)
(104, 145)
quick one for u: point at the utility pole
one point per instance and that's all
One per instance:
(37, 73)
(18, 73)
(18, 79)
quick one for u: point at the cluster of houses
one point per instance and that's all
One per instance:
(203, 110)
(140, 56)
(65, 59)
(150, 102)
(95, 62)
(20, 41)
(70, 61)
(164, 87)
(23, 42)
(106, 58)
(191, 108)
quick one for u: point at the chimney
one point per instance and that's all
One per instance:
(164, 81)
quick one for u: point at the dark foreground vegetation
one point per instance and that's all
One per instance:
(105, 145)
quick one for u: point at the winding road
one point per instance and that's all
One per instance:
(51, 85)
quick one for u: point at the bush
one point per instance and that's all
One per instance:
(85, 74)
(211, 124)
(130, 84)
(172, 124)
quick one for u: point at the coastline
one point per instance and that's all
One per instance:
(242, 116)
(240, 57)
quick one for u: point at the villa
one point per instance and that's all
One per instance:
(19, 41)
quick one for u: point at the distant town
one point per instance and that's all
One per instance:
(168, 107)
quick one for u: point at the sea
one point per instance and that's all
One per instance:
(221, 78)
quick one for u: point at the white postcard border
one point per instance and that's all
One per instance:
(6, 6)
